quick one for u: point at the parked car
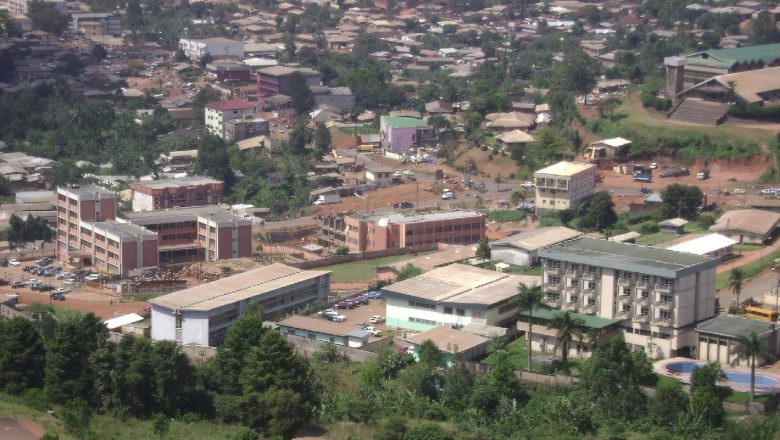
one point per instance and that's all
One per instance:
(447, 195)
(527, 184)
(405, 204)
(63, 275)
(4, 282)
(45, 261)
(94, 277)
(339, 318)
(376, 319)
(18, 284)
(373, 330)
(346, 305)
(362, 299)
(645, 190)
(45, 287)
(397, 174)
(526, 206)
(328, 312)
(57, 296)
(374, 294)
(61, 290)
(408, 173)
(361, 325)
(14, 262)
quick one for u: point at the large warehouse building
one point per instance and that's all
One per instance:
(202, 314)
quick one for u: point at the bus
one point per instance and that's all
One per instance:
(760, 314)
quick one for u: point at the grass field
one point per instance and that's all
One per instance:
(523, 270)
(364, 270)
(654, 239)
(507, 215)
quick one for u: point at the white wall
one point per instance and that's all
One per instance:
(163, 324)
(142, 202)
(195, 328)
(509, 255)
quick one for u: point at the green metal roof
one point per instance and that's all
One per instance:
(402, 122)
(544, 314)
(734, 326)
(766, 53)
(628, 257)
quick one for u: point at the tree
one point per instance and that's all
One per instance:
(46, 17)
(483, 250)
(427, 431)
(134, 15)
(22, 356)
(706, 407)
(568, 327)
(429, 354)
(601, 212)
(180, 56)
(458, 382)
(300, 136)
(214, 160)
(6, 23)
(669, 405)
(763, 29)
(736, 278)
(407, 271)
(302, 99)
(205, 59)
(750, 348)
(528, 299)
(322, 140)
(75, 417)
(393, 428)
(681, 201)
(160, 426)
(99, 52)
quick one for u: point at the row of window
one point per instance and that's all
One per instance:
(456, 227)
(422, 321)
(420, 305)
(645, 332)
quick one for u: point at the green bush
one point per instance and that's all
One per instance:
(35, 398)
(757, 112)
(511, 215)
(649, 100)
(649, 227)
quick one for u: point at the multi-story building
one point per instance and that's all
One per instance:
(392, 231)
(75, 205)
(93, 23)
(340, 98)
(401, 133)
(224, 235)
(236, 130)
(118, 248)
(456, 295)
(658, 295)
(217, 47)
(218, 113)
(564, 185)
(179, 233)
(275, 80)
(202, 314)
(176, 193)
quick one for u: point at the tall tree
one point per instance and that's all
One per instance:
(601, 213)
(483, 250)
(528, 298)
(763, 29)
(46, 17)
(736, 278)
(706, 407)
(99, 52)
(22, 356)
(681, 201)
(568, 327)
(214, 160)
(300, 136)
(750, 348)
(134, 16)
(322, 140)
(300, 94)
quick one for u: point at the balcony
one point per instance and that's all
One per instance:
(623, 315)
(644, 285)
(573, 289)
(663, 305)
(588, 293)
(625, 282)
(589, 309)
(662, 322)
(551, 301)
(552, 288)
(644, 319)
(589, 276)
(552, 270)
(572, 273)
(643, 301)
(571, 306)
(624, 299)
(663, 288)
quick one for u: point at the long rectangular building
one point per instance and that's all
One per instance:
(659, 295)
(202, 314)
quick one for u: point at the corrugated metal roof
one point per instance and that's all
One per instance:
(448, 339)
(236, 288)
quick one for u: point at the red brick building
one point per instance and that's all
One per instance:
(75, 205)
(391, 231)
(176, 193)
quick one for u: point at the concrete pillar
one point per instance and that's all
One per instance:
(675, 76)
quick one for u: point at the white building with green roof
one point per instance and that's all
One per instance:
(658, 295)
(718, 337)
(399, 134)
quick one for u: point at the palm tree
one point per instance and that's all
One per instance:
(591, 340)
(528, 298)
(749, 348)
(735, 283)
(568, 327)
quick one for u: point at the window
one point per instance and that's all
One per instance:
(575, 282)
(420, 305)
(422, 321)
(554, 280)
(644, 311)
(665, 315)
(626, 291)
(666, 298)
(448, 310)
(477, 315)
(460, 312)
(573, 298)
(626, 308)
(645, 294)
(591, 285)
(503, 309)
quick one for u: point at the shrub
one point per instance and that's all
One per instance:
(342, 250)
(649, 227)
(35, 398)
(757, 112)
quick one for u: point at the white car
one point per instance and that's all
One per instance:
(408, 173)
(61, 290)
(397, 174)
(373, 330)
(94, 277)
(447, 195)
(14, 262)
(527, 185)
(328, 312)
(376, 319)
(339, 318)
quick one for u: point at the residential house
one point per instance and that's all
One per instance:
(345, 335)
(521, 249)
(564, 185)
(747, 225)
(399, 134)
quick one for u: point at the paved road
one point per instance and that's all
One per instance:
(755, 288)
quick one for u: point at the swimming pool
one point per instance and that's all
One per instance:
(732, 377)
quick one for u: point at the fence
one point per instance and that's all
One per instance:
(307, 347)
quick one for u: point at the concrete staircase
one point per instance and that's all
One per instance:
(698, 111)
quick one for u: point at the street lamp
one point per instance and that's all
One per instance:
(776, 270)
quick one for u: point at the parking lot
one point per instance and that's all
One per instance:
(362, 314)
(101, 302)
